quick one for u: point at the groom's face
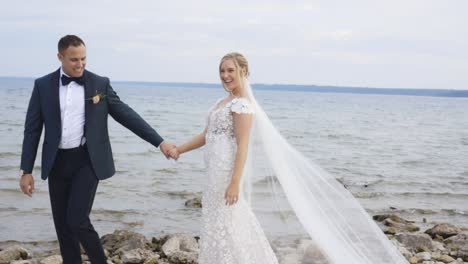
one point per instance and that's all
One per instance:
(73, 60)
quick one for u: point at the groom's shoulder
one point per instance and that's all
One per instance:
(47, 77)
(96, 77)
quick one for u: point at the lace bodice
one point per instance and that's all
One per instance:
(220, 119)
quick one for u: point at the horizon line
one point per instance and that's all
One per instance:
(263, 84)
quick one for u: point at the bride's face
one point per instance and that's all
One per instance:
(229, 75)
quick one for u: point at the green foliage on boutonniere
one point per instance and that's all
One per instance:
(97, 98)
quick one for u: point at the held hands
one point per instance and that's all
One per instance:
(27, 184)
(174, 153)
(169, 150)
(232, 193)
(165, 148)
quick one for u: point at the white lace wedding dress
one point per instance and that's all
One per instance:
(229, 234)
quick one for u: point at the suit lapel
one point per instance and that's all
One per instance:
(89, 93)
(55, 92)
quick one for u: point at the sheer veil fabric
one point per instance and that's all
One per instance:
(336, 222)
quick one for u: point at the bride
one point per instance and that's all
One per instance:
(230, 233)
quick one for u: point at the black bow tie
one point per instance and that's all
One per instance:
(66, 80)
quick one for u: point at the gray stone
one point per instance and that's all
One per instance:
(182, 248)
(123, 240)
(137, 256)
(27, 261)
(13, 253)
(458, 245)
(443, 230)
(309, 253)
(445, 259)
(415, 242)
(55, 259)
(395, 224)
(405, 252)
(413, 260)
(424, 256)
(194, 203)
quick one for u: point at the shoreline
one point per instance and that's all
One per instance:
(442, 243)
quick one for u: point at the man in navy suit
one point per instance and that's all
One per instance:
(73, 105)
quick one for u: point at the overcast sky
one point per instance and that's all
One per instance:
(394, 43)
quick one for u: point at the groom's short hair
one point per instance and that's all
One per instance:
(69, 40)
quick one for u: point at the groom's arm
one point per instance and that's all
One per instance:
(32, 131)
(130, 119)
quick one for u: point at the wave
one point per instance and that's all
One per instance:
(177, 194)
(437, 194)
(116, 212)
(422, 211)
(9, 154)
(165, 170)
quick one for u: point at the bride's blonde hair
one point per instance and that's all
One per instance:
(241, 64)
(240, 61)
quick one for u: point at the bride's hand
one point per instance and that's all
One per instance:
(232, 193)
(174, 153)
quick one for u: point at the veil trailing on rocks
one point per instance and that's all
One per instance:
(339, 226)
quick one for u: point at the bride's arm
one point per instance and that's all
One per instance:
(194, 143)
(242, 125)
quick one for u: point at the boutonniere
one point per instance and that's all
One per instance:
(97, 98)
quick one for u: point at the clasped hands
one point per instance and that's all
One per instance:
(169, 150)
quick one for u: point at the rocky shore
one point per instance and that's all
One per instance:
(443, 243)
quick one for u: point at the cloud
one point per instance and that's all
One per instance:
(183, 40)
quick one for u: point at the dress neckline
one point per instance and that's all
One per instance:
(219, 106)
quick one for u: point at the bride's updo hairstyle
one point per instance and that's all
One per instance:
(241, 64)
(240, 61)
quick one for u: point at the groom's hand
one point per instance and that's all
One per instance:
(27, 184)
(165, 148)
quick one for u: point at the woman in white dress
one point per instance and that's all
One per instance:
(230, 232)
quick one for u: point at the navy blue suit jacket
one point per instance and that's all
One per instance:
(44, 111)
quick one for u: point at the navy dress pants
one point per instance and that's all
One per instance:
(72, 186)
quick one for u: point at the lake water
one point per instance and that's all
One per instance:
(402, 154)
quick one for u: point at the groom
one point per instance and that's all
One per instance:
(73, 105)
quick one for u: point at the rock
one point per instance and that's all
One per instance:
(413, 260)
(458, 244)
(445, 259)
(393, 217)
(395, 224)
(443, 230)
(182, 248)
(13, 253)
(152, 260)
(116, 259)
(27, 261)
(137, 256)
(439, 246)
(194, 203)
(424, 256)
(55, 259)
(401, 227)
(405, 252)
(123, 240)
(415, 242)
(308, 252)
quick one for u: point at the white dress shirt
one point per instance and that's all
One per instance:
(72, 113)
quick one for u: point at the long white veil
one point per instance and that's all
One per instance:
(332, 217)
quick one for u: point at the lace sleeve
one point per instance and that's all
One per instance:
(241, 106)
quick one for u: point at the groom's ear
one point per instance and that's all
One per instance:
(60, 56)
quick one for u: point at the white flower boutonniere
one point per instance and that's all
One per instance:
(97, 98)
